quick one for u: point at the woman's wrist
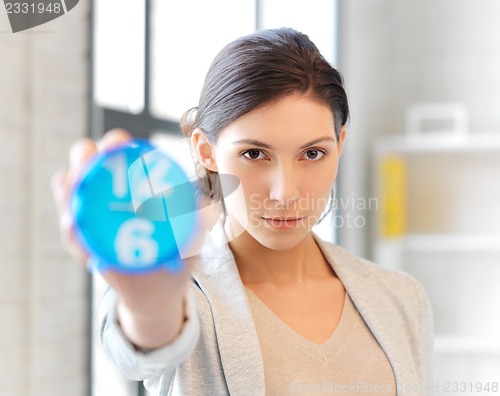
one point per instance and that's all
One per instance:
(148, 330)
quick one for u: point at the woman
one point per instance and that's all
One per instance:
(276, 310)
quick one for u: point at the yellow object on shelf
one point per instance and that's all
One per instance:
(393, 174)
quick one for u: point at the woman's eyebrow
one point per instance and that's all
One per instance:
(321, 139)
(267, 146)
(253, 143)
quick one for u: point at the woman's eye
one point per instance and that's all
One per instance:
(254, 154)
(314, 154)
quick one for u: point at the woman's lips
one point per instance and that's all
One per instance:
(281, 223)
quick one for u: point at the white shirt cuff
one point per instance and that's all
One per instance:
(139, 365)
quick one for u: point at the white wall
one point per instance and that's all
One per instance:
(395, 53)
(43, 324)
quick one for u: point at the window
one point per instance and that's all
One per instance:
(119, 48)
(186, 37)
(316, 19)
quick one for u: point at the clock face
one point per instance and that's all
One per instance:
(134, 209)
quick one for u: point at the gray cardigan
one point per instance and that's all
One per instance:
(218, 353)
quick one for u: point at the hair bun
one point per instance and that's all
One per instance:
(188, 120)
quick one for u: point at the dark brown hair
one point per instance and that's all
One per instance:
(258, 69)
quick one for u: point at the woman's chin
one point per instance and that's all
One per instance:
(279, 241)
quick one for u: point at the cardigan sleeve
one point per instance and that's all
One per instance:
(136, 365)
(426, 333)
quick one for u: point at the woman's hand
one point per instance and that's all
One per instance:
(150, 307)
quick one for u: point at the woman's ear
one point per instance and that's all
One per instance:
(203, 149)
(341, 139)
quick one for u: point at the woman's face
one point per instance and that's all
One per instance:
(286, 157)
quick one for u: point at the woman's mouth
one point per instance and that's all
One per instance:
(283, 223)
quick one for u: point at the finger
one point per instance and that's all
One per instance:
(59, 188)
(79, 154)
(68, 237)
(114, 137)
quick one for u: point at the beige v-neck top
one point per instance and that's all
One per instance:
(350, 362)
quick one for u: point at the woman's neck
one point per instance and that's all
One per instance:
(259, 264)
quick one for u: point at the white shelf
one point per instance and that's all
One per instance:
(456, 168)
(467, 345)
(444, 243)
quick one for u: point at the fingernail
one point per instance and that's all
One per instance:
(80, 151)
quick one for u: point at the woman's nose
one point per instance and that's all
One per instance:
(284, 186)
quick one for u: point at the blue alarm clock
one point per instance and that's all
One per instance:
(134, 209)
